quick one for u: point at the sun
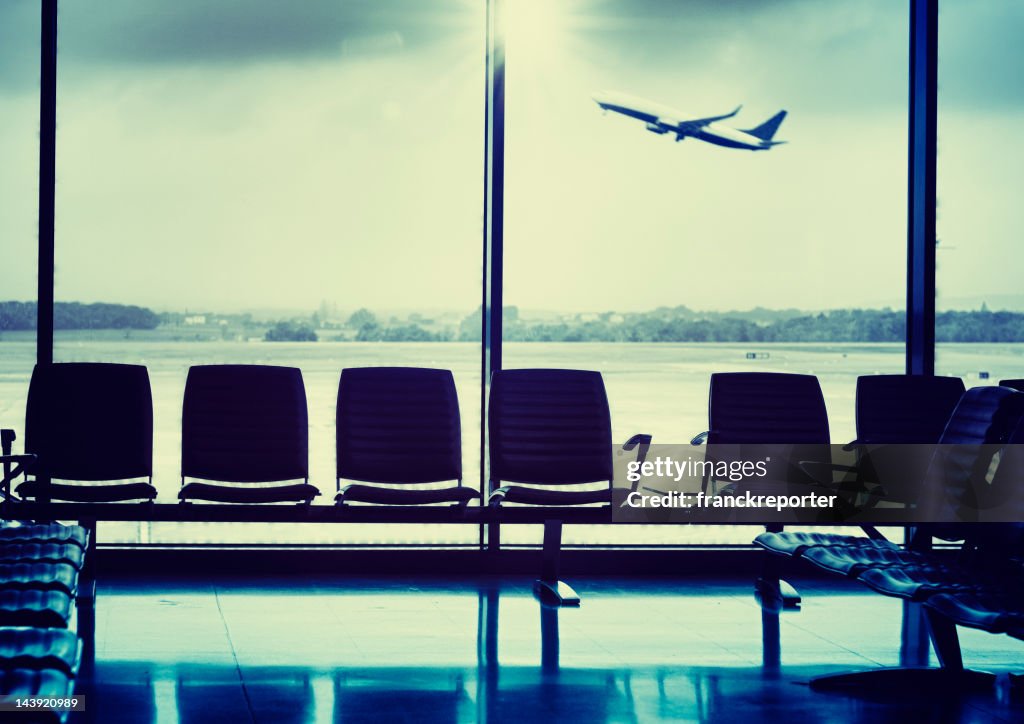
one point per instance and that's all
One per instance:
(535, 30)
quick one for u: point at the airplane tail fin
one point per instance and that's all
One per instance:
(767, 129)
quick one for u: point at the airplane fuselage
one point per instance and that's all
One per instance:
(662, 119)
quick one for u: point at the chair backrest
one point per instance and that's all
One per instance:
(398, 425)
(549, 427)
(244, 424)
(773, 416)
(1017, 384)
(90, 421)
(1003, 501)
(984, 416)
(893, 409)
(899, 420)
(982, 422)
(766, 407)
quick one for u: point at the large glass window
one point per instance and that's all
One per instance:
(980, 172)
(636, 248)
(301, 184)
(19, 195)
(273, 183)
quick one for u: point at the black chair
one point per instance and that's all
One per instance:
(751, 411)
(980, 425)
(1014, 384)
(89, 424)
(984, 588)
(39, 576)
(890, 410)
(39, 649)
(245, 427)
(22, 683)
(895, 412)
(905, 409)
(982, 583)
(550, 441)
(46, 552)
(399, 427)
(35, 608)
(550, 434)
(750, 414)
(12, 532)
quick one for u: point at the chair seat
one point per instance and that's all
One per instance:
(794, 543)
(44, 533)
(294, 493)
(87, 492)
(39, 683)
(39, 576)
(992, 611)
(539, 496)
(459, 494)
(917, 582)
(37, 609)
(39, 648)
(851, 560)
(42, 553)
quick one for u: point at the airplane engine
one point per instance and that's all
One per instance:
(656, 128)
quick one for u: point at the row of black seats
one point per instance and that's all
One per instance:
(398, 430)
(245, 430)
(40, 651)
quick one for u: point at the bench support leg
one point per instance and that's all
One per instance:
(87, 576)
(914, 636)
(770, 590)
(945, 641)
(85, 613)
(548, 587)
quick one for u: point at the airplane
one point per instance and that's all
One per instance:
(662, 119)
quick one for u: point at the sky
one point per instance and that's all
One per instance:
(249, 154)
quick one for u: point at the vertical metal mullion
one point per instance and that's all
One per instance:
(494, 228)
(921, 188)
(47, 178)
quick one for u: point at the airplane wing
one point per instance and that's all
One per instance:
(711, 119)
(694, 125)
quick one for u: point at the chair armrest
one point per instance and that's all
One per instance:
(497, 496)
(821, 472)
(7, 438)
(700, 439)
(641, 442)
(12, 467)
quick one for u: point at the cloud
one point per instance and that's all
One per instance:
(199, 31)
(126, 33)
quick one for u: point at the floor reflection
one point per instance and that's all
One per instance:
(281, 686)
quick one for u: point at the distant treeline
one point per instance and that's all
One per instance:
(676, 324)
(844, 325)
(72, 315)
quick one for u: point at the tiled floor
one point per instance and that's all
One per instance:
(478, 649)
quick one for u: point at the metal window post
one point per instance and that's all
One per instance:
(921, 188)
(47, 178)
(493, 233)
